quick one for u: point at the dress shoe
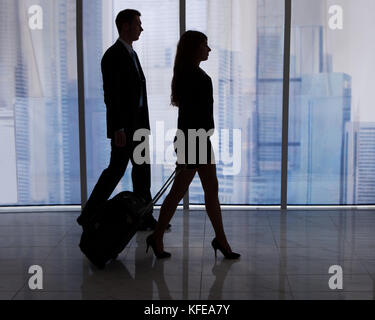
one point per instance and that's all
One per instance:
(228, 255)
(150, 241)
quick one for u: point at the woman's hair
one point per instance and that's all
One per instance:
(187, 50)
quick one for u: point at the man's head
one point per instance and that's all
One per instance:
(129, 24)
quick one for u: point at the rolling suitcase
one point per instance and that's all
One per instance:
(114, 223)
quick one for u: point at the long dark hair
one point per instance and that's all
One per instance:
(186, 55)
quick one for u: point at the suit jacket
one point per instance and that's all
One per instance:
(122, 85)
(195, 95)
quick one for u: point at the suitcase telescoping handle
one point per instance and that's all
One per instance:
(164, 188)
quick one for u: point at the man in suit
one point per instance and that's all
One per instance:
(125, 97)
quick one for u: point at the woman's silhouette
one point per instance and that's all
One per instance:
(192, 93)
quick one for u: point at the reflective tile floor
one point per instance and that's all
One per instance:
(284, 256)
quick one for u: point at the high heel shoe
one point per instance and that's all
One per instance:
(228, 255)
(150, 241)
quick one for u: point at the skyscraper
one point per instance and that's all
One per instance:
(42, 95)
(269, 88)
(318, 176)
(359, 184)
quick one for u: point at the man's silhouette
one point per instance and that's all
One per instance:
(125, 97)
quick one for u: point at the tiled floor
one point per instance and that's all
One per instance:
(284, 256)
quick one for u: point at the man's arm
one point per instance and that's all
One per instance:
(114, 92)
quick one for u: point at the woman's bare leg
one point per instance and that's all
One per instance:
(169, 206)
(208, 177)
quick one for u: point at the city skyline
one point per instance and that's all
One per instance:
(38, 110)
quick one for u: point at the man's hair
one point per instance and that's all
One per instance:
(126, 16)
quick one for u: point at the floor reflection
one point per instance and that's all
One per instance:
(220, 271)
(284, 255)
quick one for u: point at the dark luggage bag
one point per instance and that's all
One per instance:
(113, 224)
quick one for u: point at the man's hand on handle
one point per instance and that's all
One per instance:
(120, 138)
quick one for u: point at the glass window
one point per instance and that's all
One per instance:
(332, 119)
(39, 161)
(246, 67)
(331, 125)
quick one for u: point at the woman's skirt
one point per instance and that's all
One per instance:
(194, 151)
